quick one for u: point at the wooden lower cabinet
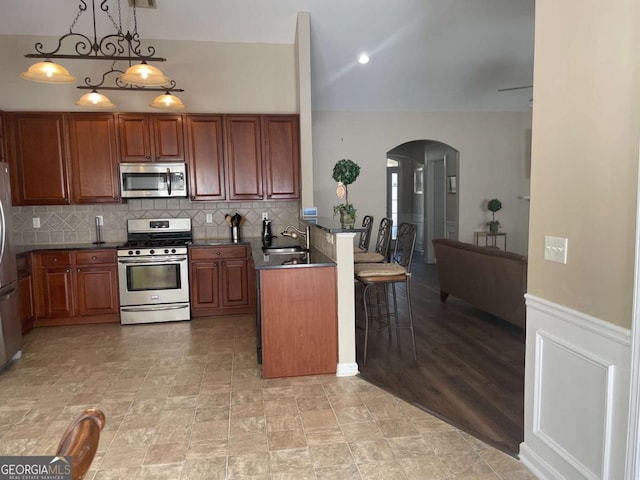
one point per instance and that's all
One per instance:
(222, 280)
(75, 287)
(25, 292)
(299, 321)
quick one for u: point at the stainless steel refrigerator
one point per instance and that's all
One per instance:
(11, 329)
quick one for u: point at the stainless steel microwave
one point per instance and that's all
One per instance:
(153, 180)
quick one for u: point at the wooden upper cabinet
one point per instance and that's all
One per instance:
(281, 153)
(151, 138)
(38, 159)
(168, 138)
(205, 157)
(94, 158)
(244, 157)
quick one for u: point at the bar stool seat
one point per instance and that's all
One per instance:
(376, 277)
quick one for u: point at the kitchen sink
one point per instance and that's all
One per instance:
(284, 250)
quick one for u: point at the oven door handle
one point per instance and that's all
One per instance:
(155, 259)
(155, 308)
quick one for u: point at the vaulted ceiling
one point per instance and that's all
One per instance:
(426, 55)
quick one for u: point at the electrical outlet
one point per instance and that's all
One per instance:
(36, 222)
(209, 218)
(555, 249)
(99, 220)
(265, 215)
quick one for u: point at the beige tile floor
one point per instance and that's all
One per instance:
(186, 401)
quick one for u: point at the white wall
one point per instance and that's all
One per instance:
(492, 161)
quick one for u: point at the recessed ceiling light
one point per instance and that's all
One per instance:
(363, 58)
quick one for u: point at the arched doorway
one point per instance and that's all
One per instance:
(422, 187)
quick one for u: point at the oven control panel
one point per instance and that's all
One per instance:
(129, 252)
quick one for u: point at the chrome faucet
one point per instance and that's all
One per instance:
(293, 232)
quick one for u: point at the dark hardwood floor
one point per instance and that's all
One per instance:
(470, 367)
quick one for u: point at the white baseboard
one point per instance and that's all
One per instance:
(347, 369)
(576, 394)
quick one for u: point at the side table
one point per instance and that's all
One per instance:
(490, 239)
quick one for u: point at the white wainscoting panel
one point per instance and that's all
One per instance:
(576, 394)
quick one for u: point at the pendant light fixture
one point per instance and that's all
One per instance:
(115, 47)
(48, 72)
(168, 102)
(143, 74)
(94, 100)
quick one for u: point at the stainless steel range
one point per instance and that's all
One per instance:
(153, 271)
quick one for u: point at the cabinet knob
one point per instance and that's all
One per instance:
(116, 198)
(218, 253)
(77, 270)
(68, 270)
(148, 157)
(94, 257)
(55, 259)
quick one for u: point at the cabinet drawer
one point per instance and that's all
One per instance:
(94, 256)
(220, 252)
(55, 259)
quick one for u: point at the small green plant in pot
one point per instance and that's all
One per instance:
(493, 206)
(345, 172)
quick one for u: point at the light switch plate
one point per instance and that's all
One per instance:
(36, 222)
(209, 218)
(555, 249)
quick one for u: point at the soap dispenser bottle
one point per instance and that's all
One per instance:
(266, 233)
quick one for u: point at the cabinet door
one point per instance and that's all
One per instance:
(135, 138)
(204, 286)
(244, 157)
(235, 283)
(3, 152)
(93, 155)
(25, 292)
(168, 138)
(281, 155)
(57, 292)
(206, 163)
(301, 338)
(97, 290)
(38, 159)
(25, 298)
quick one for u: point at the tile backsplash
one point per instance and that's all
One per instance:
(76, 223)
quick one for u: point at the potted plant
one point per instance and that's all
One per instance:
(493, 206)
(345, 172)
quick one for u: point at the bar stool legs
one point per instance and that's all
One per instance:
(389, 317)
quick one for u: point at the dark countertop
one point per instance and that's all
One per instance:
(310, 259)
(294, 260)
(20, 249)
(331, 225)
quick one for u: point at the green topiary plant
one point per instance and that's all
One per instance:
(345, 172)
(493, 206)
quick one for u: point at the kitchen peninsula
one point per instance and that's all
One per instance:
(306, 310)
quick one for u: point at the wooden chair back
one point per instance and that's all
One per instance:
(80, 441)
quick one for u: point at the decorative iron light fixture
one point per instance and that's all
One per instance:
(113, 47)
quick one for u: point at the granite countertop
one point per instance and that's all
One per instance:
(20, 249)
(294, 260)
(261, 261)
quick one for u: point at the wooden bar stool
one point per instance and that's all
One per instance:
(376, 275)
